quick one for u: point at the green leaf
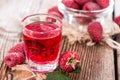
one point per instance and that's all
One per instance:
(77, 70)
(57, 75)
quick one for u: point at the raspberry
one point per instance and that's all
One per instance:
(54, 11)
(103, 3)
(68, 61)
(95, 30)
(16, 55)
(71, 4)
(13, 59)
(83, 20)
(82, 2)
(18, 48)
(91, 6)
(117, 20)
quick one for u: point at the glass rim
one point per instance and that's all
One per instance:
(85, 11)
(43, 14)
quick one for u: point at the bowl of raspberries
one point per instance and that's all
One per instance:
(85, 11)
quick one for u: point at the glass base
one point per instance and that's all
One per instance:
(43, 68)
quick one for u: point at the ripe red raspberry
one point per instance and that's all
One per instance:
(54, 11)
(19, 47)
(16, 55)
(71, 4)
(117, 20)
(95, 30)
(82, 2)
(83, 20)
(103, 3)
(69, 61)
(91, 6)
(14, 58)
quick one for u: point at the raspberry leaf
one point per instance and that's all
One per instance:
(57, 75)
(77, 70)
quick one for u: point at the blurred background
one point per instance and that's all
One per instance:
(12, 11)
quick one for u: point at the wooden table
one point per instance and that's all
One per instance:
(97, 62)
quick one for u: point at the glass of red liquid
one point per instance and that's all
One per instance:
(42, 35)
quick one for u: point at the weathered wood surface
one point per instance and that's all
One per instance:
(97, 62)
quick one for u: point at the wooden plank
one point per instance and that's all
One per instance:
(117, 13)
(97, 62)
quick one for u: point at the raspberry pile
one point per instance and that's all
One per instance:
(86, 4)
(71, 4)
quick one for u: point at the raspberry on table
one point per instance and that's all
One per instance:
(16, 55)
(14, 58)
(69, 61)
(95, 30)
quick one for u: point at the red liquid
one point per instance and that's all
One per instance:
(42, 48)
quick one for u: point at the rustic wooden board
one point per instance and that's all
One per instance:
(97, 62)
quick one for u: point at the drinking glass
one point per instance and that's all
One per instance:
(42, 35)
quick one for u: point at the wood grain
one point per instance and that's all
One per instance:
(97, 62)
